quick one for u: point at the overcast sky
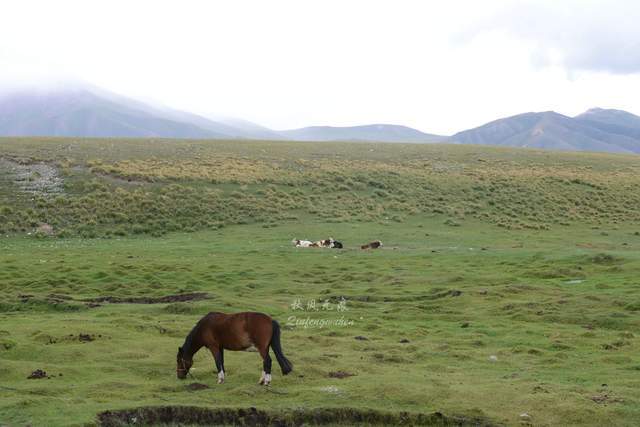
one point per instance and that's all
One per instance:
(439, 66)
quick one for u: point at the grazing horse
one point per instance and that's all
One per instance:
(235, 332)
(373, 245)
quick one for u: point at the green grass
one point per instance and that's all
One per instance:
(513, 274)
(560, 317)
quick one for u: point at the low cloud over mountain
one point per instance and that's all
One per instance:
(77, 110)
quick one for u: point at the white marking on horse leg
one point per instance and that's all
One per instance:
(261, 382)
(220, 377)
(267, 379)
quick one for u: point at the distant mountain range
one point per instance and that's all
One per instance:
(87, 111)
(376, 132)
(595, 130)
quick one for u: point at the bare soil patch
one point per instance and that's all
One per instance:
(197, 386)
(195, 296)
(37, 375)
(340, 374)
(186, 415)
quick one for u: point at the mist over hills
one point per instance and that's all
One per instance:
(86, 111)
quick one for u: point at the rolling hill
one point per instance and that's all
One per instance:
(87, 111)
(611, 131)
(610, 117)
(81, 110)
(375, 132)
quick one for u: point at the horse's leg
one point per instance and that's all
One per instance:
(265, 379)
(217, 355)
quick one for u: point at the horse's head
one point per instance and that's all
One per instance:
(183, 364)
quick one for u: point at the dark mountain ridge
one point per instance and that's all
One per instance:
(594, 130)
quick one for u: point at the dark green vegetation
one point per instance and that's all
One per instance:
(508, 283)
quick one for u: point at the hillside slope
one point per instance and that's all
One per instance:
(83, 113)
(80, 110)
(550, 130)
(375, 132)
(119, 187)
(87, 111)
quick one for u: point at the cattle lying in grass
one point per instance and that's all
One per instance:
(373, 245)
(302, 243)
(325, 243)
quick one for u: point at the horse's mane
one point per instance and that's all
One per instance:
(188, 342)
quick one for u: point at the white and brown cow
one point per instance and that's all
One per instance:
(324, 243)
(302, 243)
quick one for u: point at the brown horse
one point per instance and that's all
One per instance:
(235, 332)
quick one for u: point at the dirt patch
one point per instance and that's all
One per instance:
(47, 339)
(37, 375)
(25, 302)
(436, 294)
(197, 386)
(179, 415)
(196, 296)
(340, 374)
(604, 398)
(86, 337)
(605, 259)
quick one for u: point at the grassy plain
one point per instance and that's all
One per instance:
(513, 275)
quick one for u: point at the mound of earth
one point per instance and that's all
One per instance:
(340, 374)
(37, 374)
(189, 415)
(197, 386)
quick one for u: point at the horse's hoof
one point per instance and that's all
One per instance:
(220, 381)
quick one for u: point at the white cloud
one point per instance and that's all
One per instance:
(580, 35)
(437, 66)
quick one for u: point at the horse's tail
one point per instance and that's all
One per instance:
(284, 363)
